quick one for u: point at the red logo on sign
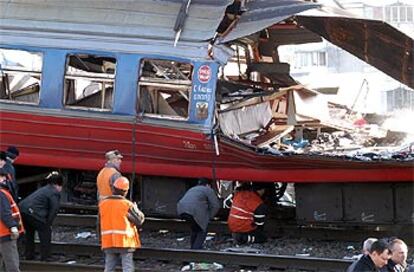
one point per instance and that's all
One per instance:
(204, 73)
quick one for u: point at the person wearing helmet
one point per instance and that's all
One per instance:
(119, 220)
(39, 210)
(108, 174)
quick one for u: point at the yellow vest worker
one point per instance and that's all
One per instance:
(119, 234)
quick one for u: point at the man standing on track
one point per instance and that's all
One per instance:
(11, 227)
(108, 174)
(11, 155)
(119, 221)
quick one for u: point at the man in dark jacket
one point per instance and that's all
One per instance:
(8, 169)
(198, 206)
(11, 156)
(378, 257)
(39, 210)
(366, 247)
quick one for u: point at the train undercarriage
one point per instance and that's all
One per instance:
(341, 204)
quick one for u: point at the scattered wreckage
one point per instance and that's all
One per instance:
(295, 120)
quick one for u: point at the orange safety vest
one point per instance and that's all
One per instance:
(241, 218)
(103, 182)
(116, 230)
(4, 230)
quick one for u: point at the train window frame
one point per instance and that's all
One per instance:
(106, 104)
(179, 82)
(16, 69)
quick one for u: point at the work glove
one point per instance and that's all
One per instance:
(14, 233)
(135, 216)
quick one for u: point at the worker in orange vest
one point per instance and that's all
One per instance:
(11, 227)
(109, 174)
(247, 214)
(119, 221)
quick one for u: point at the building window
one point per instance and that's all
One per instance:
(20, 76)
(89, 82)
(164, 89)
(403, 14)
(410, 14)
(400, 98)
(310, 59)
(394, 14)
(398, 14)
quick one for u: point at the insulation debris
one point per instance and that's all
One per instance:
(297, 120)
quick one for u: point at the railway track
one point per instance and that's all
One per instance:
(226, 258)
(275, 228)
(57, 267)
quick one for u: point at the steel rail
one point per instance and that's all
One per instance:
(54, 266)
(274, 228)
(57, 267)
(230, 258)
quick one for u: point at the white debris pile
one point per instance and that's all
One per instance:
(296, 120)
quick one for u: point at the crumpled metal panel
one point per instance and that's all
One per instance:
(374, 42)
(122, 18)
(261, 14)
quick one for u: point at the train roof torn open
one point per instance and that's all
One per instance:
(275, 114)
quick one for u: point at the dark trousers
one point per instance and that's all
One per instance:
(198, 235)
(45, 235)
(256, 236)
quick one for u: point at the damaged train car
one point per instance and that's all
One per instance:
(150, 78)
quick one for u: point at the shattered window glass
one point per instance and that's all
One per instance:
(89, 82)
(164, 89)
(20, 78)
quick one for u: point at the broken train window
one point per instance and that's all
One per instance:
(164, 89)
(236, 68)
(89, 81)
(20, 75)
